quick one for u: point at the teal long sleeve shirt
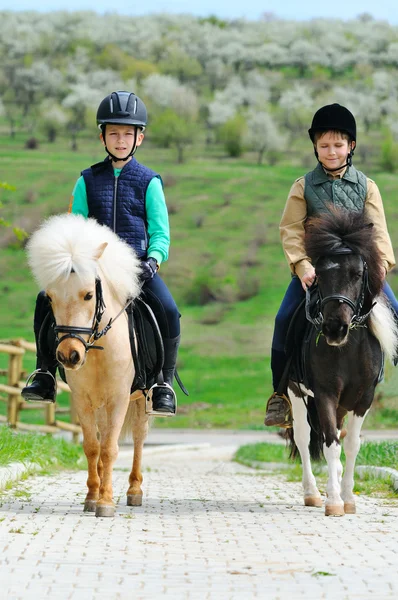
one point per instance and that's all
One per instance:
(156, 213)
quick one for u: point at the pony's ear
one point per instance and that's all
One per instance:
(100, 250)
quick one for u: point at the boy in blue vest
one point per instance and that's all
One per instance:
(334, 179)
(127, 197)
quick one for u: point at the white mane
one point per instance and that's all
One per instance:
(384, 327)
(65, 242)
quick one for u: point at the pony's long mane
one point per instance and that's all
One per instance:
(66, 243)
(339, 228)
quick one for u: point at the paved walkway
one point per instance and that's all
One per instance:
(223, 437)
(209, 529)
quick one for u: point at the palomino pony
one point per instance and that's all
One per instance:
(354, 327)
(90, 275)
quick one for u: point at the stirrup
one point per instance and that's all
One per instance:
(286, 424)
(148, 401)
(32, 375)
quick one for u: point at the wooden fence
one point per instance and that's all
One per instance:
(10, 393)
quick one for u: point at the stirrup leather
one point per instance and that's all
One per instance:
(286, 424)
(148, 401)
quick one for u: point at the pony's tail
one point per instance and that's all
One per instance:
(135, 424)
(293, 450)
(127, 427)
(383, 325)
(316, 435)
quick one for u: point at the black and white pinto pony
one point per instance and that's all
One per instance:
(354, 329)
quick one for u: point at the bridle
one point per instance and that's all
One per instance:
(93, 332)
(357, 319)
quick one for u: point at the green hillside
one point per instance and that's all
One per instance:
(226, 268)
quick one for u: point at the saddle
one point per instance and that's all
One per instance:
(298, 342)
(145, 334)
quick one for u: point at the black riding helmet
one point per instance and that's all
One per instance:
(122, 108)
(334, 117)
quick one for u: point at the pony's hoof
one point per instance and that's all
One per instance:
(350, 508)
(105, 511)
(90, 506)
(334, 510)
(134, 499)
(313, 501)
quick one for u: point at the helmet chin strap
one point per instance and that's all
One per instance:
(115, 158)
(347, 164)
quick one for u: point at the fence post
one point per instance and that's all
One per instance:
(16, 350)
(50, 413)
(14, 370)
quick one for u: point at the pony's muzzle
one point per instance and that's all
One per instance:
(70, 359)
(335, 332)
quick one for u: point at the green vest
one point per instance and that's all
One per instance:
(348, 191)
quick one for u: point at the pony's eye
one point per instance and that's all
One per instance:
(49, 299)
(88, 296)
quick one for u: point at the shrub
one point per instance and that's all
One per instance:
(389, 154)
(169, 180)
(32, 143)
(198, 220)
(231, 135)
(30, 196)
(202, 289)
(213, 314)
(249, 286)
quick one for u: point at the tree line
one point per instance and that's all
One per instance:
(247, 84)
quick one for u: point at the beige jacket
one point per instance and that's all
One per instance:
(295, 214)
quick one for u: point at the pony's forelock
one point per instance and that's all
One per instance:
(70, 242)
(338, 228)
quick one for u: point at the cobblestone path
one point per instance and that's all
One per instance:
(208, 529)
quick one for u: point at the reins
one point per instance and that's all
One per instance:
(93, 332)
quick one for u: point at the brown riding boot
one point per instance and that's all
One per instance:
(279, 411)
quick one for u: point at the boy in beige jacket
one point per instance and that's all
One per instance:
(334, 180)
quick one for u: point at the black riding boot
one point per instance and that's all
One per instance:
(163, 398)
(43, 386)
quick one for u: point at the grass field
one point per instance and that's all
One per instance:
(226, 268)
(382, 454)
(45, 451)
(274, 458)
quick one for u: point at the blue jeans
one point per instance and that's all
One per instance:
(158, 297)
(391, 297)
(292, 298)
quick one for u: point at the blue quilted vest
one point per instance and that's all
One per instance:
(119, 202)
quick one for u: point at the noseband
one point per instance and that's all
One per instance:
(357, 319)
(93, 332)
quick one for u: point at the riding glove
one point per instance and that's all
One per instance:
(148, 268)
